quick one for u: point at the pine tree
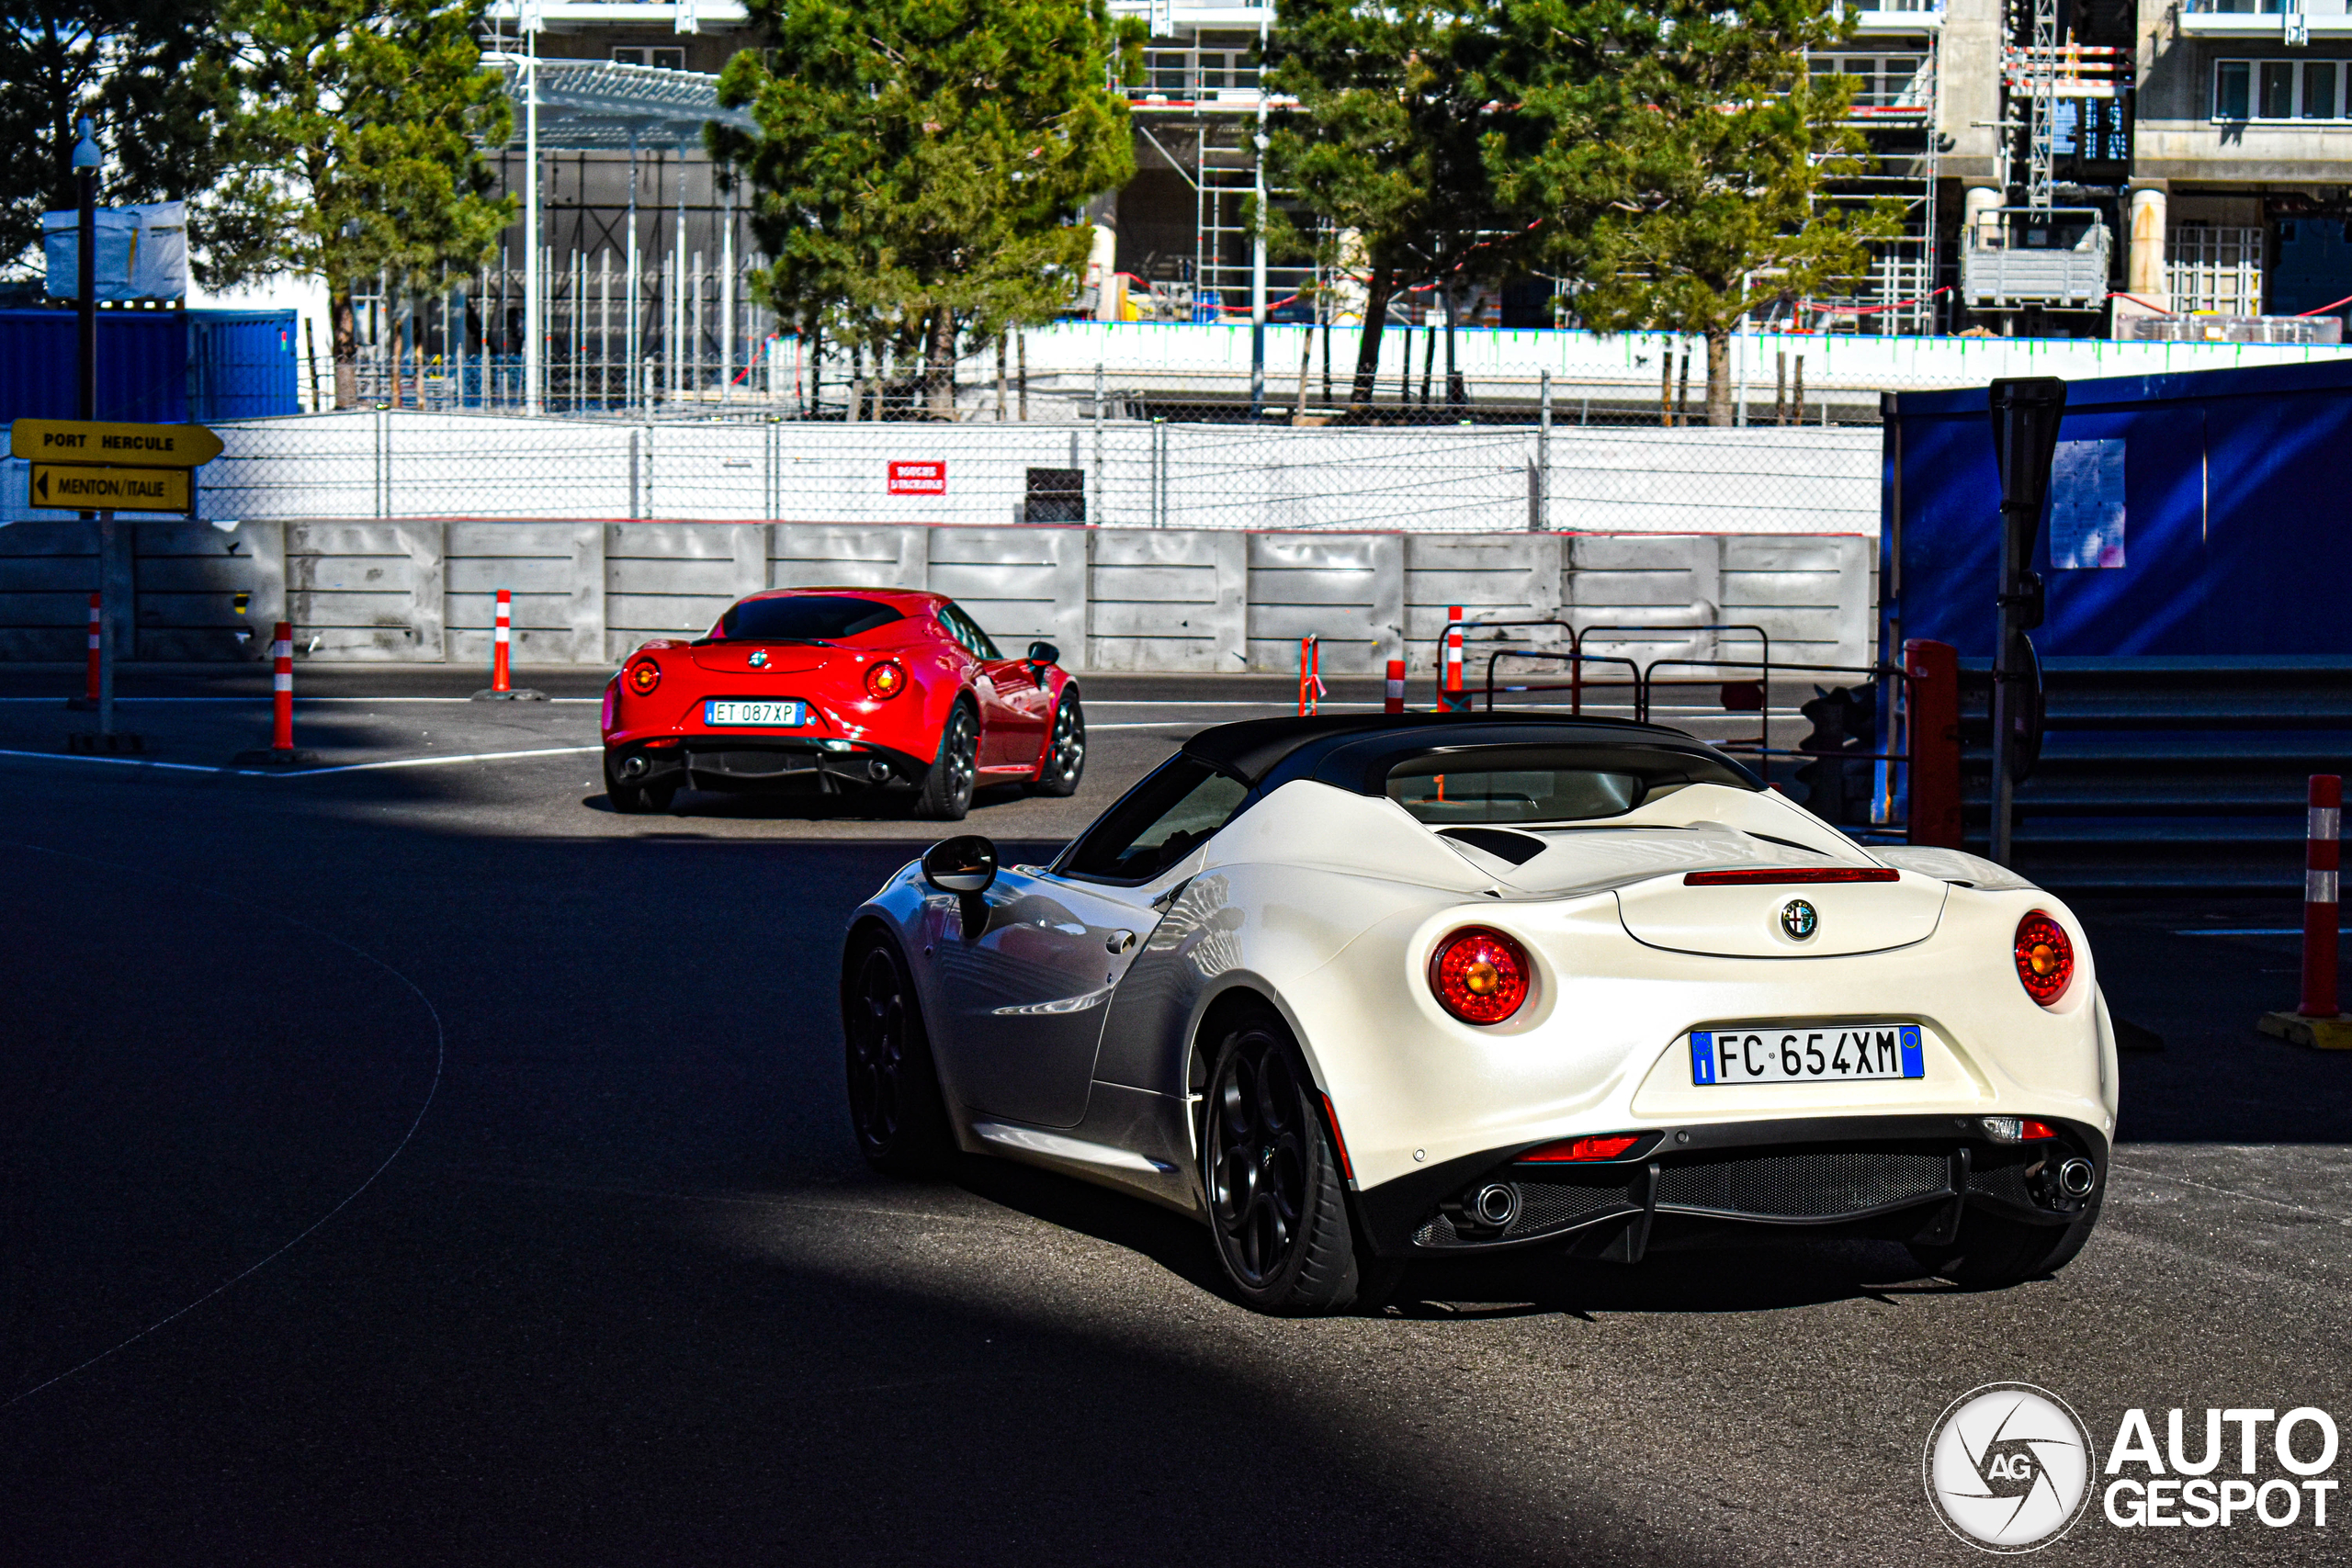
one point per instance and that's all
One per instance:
(1686, 153)
(1392, 147)
(354, 132)
(922, 165)
(133, 67)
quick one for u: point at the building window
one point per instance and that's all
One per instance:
(1881, 81)
(2279, 89)
(2319, 90)
(660, 58)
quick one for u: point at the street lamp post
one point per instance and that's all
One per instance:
(534, 307)
(85, 311)
(86, 258)
(1258, 263)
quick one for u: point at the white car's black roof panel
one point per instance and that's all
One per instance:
(1357, 751)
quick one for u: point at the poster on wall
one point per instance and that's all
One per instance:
(2086, 506)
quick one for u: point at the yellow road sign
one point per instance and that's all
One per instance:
(110, 489)
(79, 441)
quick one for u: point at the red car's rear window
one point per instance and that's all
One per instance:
(802, 619)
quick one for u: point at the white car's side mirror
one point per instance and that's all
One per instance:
(964, 865)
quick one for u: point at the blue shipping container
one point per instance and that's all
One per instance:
(154, 366)
(2194, 516)
(240, 364)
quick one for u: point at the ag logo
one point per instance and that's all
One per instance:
(2008, 1467)
(1799, 919)
(759, 660)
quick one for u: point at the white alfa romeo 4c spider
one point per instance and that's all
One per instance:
(1358, 991)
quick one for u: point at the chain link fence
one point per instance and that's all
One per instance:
(1128, 465)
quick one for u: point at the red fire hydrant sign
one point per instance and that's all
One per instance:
(918, 479)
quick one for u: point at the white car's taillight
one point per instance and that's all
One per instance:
(1480, 975)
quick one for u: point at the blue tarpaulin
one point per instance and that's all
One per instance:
(2206, 513)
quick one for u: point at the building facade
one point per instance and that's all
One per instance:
(2154, 158)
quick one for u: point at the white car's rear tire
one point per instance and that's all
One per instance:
(1278, 1205)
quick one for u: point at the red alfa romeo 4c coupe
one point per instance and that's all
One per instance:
(873, 687)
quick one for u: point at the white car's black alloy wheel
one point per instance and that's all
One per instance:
(1259, 1158)
(893, 1093)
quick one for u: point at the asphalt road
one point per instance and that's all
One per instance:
(421, 1163)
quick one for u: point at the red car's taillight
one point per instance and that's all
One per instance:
(1480, 975)
(642, 677)
(2045, 958)
(1605, 1145)
(885, 679)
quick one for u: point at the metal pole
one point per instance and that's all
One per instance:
(678, 294)
(109, 611)
(1544, 458)
(1257, 264)
(1159, 471)
(534, 373)
(85, 289)
(628, 369)
(1100, 510)
(726, 301)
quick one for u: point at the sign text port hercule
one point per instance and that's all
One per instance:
(101, 444)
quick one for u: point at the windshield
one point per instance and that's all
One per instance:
(1160, 822)
(802, 618)
(1445, 790)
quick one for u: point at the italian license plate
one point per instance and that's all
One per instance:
(1806, 1053)
(737, 715)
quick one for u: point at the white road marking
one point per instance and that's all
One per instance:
(2264, 931)
(265, 697)
(302, 773)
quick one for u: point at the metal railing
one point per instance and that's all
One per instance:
(1738, 696)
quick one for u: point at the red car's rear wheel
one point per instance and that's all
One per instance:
(947, 788)
(1066, 751)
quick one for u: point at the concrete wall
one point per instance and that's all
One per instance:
(1110, 598)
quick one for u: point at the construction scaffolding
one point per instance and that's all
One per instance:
(1895, 105)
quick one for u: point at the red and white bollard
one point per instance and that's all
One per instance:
(502, 678)
(1451, 696)
(2323, 853)
(1395, 702)
(501, 687)
(281, 692)
(2319, 1019)
(90, 683)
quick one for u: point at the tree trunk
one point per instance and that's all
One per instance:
(346, 346)
(939, 363)
(1376, 316)
(1719, 409)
